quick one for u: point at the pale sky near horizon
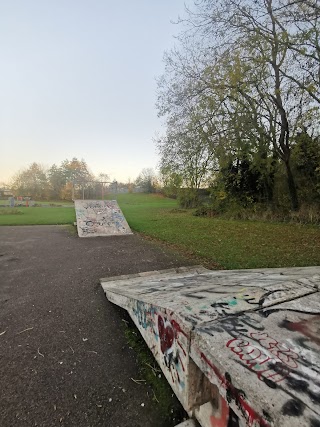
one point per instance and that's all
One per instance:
(77, 79)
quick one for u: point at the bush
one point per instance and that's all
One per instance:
(188, 198)
(205, 211)
(306, 215)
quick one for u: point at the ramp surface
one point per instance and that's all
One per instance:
(100, 218)
(239, 348)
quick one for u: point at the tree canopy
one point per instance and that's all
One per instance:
(238, 93)
(58, 182)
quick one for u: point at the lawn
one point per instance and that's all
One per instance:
(223, 243)
(214, 242)
(34, 216)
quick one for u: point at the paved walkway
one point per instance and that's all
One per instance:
(64, 358)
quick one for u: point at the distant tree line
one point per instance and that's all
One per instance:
(57, 182)
(73, 179)
(240, 96)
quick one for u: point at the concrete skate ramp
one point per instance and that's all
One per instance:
(100, 218)
(239, 347)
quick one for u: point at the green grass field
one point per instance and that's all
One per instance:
(37, 216)
(230, 244)
(212, 241)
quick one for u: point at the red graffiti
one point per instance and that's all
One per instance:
(182, 366)
(220, 419)
(280, 350)
(259, 361)
(184, 352)
(310, 328)
(177, 328)
(166, 334)
(215, 370)
(249, 414)
(168, 331)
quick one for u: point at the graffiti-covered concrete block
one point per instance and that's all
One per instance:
(265, 363)
(166, 335)
(239, 348)
(100, 218)
(204, 295)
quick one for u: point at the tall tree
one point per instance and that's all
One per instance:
(32, 182)
(77, 177)
(76, 170)
(56, 180)
(239, 54)
(147, 180)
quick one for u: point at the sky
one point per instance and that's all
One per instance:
(78, 79)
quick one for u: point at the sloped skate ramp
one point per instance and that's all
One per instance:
(239, 348)
(100, 218)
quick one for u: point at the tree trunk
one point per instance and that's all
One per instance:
(292, 187)
(270, 178)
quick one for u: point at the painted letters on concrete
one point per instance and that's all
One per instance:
(239, 348)
(100, 218)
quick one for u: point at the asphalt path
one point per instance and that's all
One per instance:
(64, 360)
